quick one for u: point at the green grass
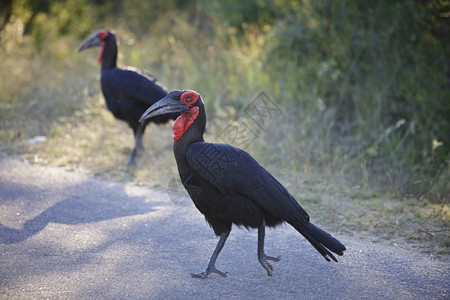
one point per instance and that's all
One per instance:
(56, 93)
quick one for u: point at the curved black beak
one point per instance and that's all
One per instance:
(91, 41)
(164, 106)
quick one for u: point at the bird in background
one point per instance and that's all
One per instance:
(228, 186)
(128, 92)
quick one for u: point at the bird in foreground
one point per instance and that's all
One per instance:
(128, 92)
(228, 186)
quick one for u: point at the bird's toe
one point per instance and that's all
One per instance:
(263, 260)
(268, 266)
(206, 273)
(201, 275)
(273, 258)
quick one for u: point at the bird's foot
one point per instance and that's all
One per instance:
(208, 271)
(263, 260)
(131, 162)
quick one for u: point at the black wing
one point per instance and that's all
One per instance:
(233, 171)
(129, 92)
(132, 84)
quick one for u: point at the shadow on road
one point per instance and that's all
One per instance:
(78, 208)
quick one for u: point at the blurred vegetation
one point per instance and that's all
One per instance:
(364, 87)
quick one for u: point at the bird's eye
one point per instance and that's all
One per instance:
(102, 35)
(189, 97)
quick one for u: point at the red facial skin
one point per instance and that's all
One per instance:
(102, 36)
(183, 122)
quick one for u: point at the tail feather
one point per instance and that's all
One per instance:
(322, 241)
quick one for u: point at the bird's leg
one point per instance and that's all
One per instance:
(138, 136)
(138, 133)
(262, 257)
(211, 268)
(131, 161)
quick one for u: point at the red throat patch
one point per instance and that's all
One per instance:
(100, 56)
(183, 122)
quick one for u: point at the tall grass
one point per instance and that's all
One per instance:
(37, 88)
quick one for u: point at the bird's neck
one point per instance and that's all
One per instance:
(108, 54)
(188, 129)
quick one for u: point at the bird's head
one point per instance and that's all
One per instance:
(187, 102)
(98, 38)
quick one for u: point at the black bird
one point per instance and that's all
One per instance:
(128, 92)
(229, 187)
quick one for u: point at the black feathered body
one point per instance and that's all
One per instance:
(129, 92)
(228, 186)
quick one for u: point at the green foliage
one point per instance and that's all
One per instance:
(381, 70)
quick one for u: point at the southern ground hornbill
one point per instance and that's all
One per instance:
(128, 92)
(229, 187)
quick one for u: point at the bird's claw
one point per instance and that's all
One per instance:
(263, 260)
(208, 271)
(131, 163)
